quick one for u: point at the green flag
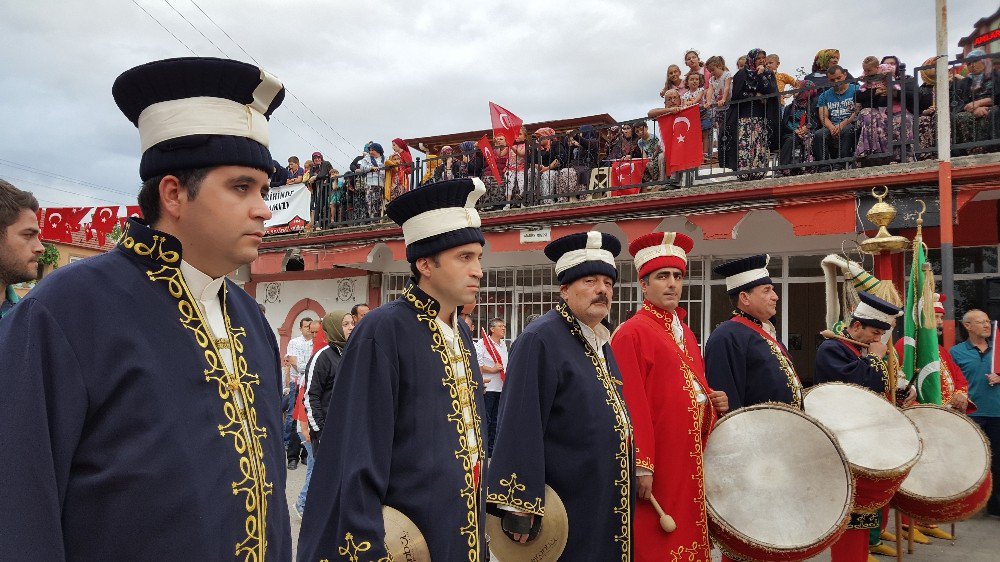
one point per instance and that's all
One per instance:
(920, 343)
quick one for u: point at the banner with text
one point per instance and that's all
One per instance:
(289, 206)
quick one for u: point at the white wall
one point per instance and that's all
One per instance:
(279, 297)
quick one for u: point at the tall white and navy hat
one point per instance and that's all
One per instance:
(657, 250)
(582, 254)
(438, 216)
(198, 113)
(875, 312)
(745, 273)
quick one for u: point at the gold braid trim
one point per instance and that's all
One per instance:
(236, 389)
(787, 368)
(352, 549)
(623, 426)
(462, 391)
(509, 499)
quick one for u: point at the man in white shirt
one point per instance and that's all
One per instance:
(297, 356)
(492, 355)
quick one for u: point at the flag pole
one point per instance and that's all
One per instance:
(944, 170)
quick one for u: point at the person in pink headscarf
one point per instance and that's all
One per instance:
(550, 160)
(398, 166)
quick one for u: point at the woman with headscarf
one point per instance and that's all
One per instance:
(447, 167)
(398, 168)
(467, 152)
(823, 60)
(927, 105)
(357, 189)
(478, 168)
(516, 169)
(798, 122)
(875, 99)
(583, 151)
(751, 130)
(322, 369)
(974, 105)
(550, 159)
(373, 168)
(625, 144)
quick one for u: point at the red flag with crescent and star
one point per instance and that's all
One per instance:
(681, 133)
(627, 171)
(505, 123)
(103, 223)
(490, 156)
(59, 224)
(130, 212)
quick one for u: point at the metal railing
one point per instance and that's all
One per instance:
(893, 123)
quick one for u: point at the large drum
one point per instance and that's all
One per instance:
(880, 443)
(952, 480)
(777, 485)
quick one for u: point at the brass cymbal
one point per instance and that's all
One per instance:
(548, 546)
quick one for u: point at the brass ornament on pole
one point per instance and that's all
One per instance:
(881, 215)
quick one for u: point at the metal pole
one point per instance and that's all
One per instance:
(944, 170)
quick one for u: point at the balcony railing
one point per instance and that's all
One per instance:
(894, 124)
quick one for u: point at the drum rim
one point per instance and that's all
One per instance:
(982, 437)
(871, 473)
(845, 514)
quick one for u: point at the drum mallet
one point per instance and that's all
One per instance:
(666, 521)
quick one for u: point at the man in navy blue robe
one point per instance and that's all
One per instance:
(403, 429)
(845, 361)
(563, 421)
(743, 356)
(140, 418)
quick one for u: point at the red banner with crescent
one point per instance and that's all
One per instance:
(490, 155)
(102, 223)
(130, 212)
(682, 145)
(59, 224)
(627, 171)
(505, 123)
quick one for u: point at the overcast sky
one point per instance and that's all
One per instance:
(375, 71)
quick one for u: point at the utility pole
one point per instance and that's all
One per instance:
(942, 103)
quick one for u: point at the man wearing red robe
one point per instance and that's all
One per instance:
(672, 407)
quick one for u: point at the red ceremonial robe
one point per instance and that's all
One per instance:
(660, 384)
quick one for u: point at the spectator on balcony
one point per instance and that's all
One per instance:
(295, 172)
(927, 105)
(720, 87)
(671, 104)
(822, 62)
(751, 130)
(674, 81)
(467, 151)
(447, 166)
(780, 78)
(357, 189)
(692, 59)
(626, 143)
(373, 168)
(550, 156)
(398, 169)
(584, 152)
(837, 114)
(319, 187)
(514, 175)
(279, 175)
(975, 102)
(741, 62)
(798, 124)
(873, 100)
(477, 167)
(502, 153)
(697, 95)
(651, 149)
(338, 197)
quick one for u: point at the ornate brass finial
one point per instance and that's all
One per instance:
(881, 215)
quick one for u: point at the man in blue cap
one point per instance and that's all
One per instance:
(403, 427)
(142, 412)
(743, 356)
(563, 419)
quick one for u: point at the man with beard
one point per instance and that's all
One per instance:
(743, 356)
(403, 424)
(141, 417)
(20, 247)
(563, 420)
(672, 407)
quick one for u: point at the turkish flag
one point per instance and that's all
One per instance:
(505, 123)
(103, 223)
(627, 171)
(130, 212)
(60, 223)
(681, 133)
(490, 156)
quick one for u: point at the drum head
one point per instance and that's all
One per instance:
(956, 457)
(874, 435)
(776, 477)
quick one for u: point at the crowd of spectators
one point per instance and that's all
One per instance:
(755, 121)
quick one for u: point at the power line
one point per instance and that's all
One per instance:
(165, 28)
(94, 197)
(198, 30)
(26, 168)
(290, 93)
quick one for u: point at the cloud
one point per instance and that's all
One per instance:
(378, 70)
